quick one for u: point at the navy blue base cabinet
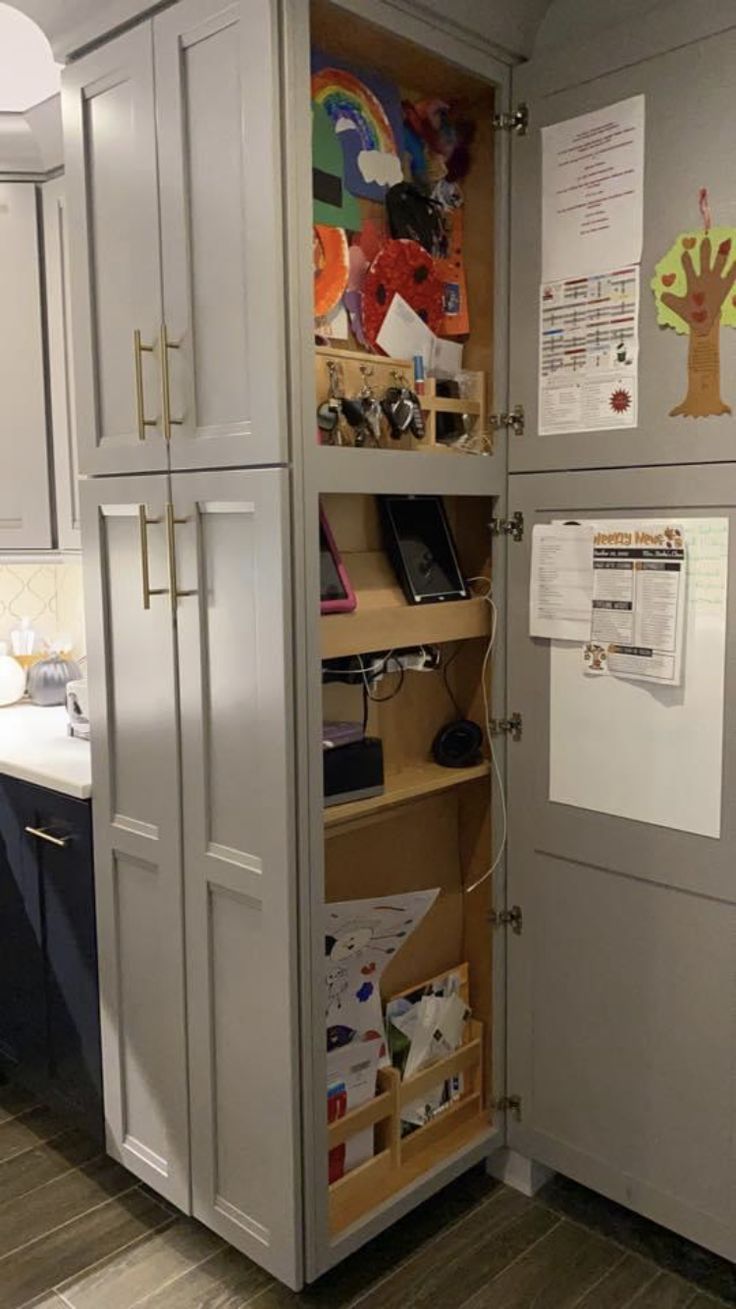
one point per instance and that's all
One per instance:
(49, 998)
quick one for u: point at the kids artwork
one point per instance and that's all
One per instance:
(361, 938)
(334, 206)
(693, 286)
(365, 112)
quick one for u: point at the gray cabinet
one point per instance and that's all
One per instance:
(189, 637)
(60, 369)
(25, 507)
(132, 671)
(621, 986)
(687, 139)
(172, 154)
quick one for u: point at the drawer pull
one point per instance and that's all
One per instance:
(43, 835)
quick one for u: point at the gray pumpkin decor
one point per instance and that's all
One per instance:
(47, 679)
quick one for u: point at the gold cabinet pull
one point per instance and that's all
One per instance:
(171, 524)
(144, 522)
(43, 835)
(167, 345)
(139, 349)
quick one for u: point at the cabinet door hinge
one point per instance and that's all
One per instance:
(511, 726)
(512, 918)
(513, 419)
(509, 1104)
(513, 526)
(516, 121)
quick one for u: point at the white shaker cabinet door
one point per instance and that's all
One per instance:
(25, 511)
(111, 189)
(61, 381)
(217, 110)
(240, 877)
(132, 678)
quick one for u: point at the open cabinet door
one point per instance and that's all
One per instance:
(232, 559)
(622, 985)
(687, 144)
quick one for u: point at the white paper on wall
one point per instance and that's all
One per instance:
(592, 190)
(653, 754)
(589, 352)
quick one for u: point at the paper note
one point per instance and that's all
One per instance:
(403, 334)
(592, 191)
(638, 602)
(361, 938)
(447, 357)
(589, 352)
(351, 1081)
(651, 753)
(561, 589)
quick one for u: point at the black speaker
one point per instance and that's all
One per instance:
(459, 745)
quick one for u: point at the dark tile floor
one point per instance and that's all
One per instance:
(78, 1232)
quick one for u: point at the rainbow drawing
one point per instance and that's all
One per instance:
(363, 127)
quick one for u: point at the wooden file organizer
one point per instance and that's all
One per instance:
(398, 1162)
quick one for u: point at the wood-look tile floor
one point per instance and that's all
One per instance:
(78, 1232)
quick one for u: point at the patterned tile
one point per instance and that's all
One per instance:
(49, 595)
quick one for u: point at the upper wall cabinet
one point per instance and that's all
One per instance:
(25, 513)
(173, 179)
(687, 144)
(61, 382)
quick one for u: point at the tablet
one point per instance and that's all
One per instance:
(422, 549)
(336, 593)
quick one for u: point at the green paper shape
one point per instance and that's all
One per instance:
(671, 268)
(328, 162)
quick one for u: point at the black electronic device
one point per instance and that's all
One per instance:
(458, 745)
(353, 771)
(421, 548)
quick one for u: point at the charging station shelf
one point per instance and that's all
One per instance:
(397, 626)
(402, 788)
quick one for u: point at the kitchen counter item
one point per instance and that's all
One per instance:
(47, 680)
(35, 746)
(12, 678)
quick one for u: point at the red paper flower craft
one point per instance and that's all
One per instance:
(403, 267)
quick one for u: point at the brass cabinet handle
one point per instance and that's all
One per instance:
(171, 524)
(144, 522)
(167, 345)
(139, 349)
(43, 835)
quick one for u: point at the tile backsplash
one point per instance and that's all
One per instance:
(49, 595)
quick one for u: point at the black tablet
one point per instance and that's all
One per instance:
(421, 548)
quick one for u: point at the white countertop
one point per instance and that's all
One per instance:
(35, 747)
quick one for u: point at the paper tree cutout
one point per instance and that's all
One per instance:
(693, 286)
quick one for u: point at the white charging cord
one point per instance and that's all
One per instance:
(494, 760)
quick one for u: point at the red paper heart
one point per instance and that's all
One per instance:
(668, 279)
(688, 242)
(698, 297)
(700, 315)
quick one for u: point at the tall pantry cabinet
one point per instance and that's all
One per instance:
(188, 147)
(172, 157)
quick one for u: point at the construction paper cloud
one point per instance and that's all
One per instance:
(382, 169)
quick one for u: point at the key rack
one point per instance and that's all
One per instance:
(356, 367)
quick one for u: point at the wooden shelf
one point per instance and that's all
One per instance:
(402, 788)
(396, 626)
